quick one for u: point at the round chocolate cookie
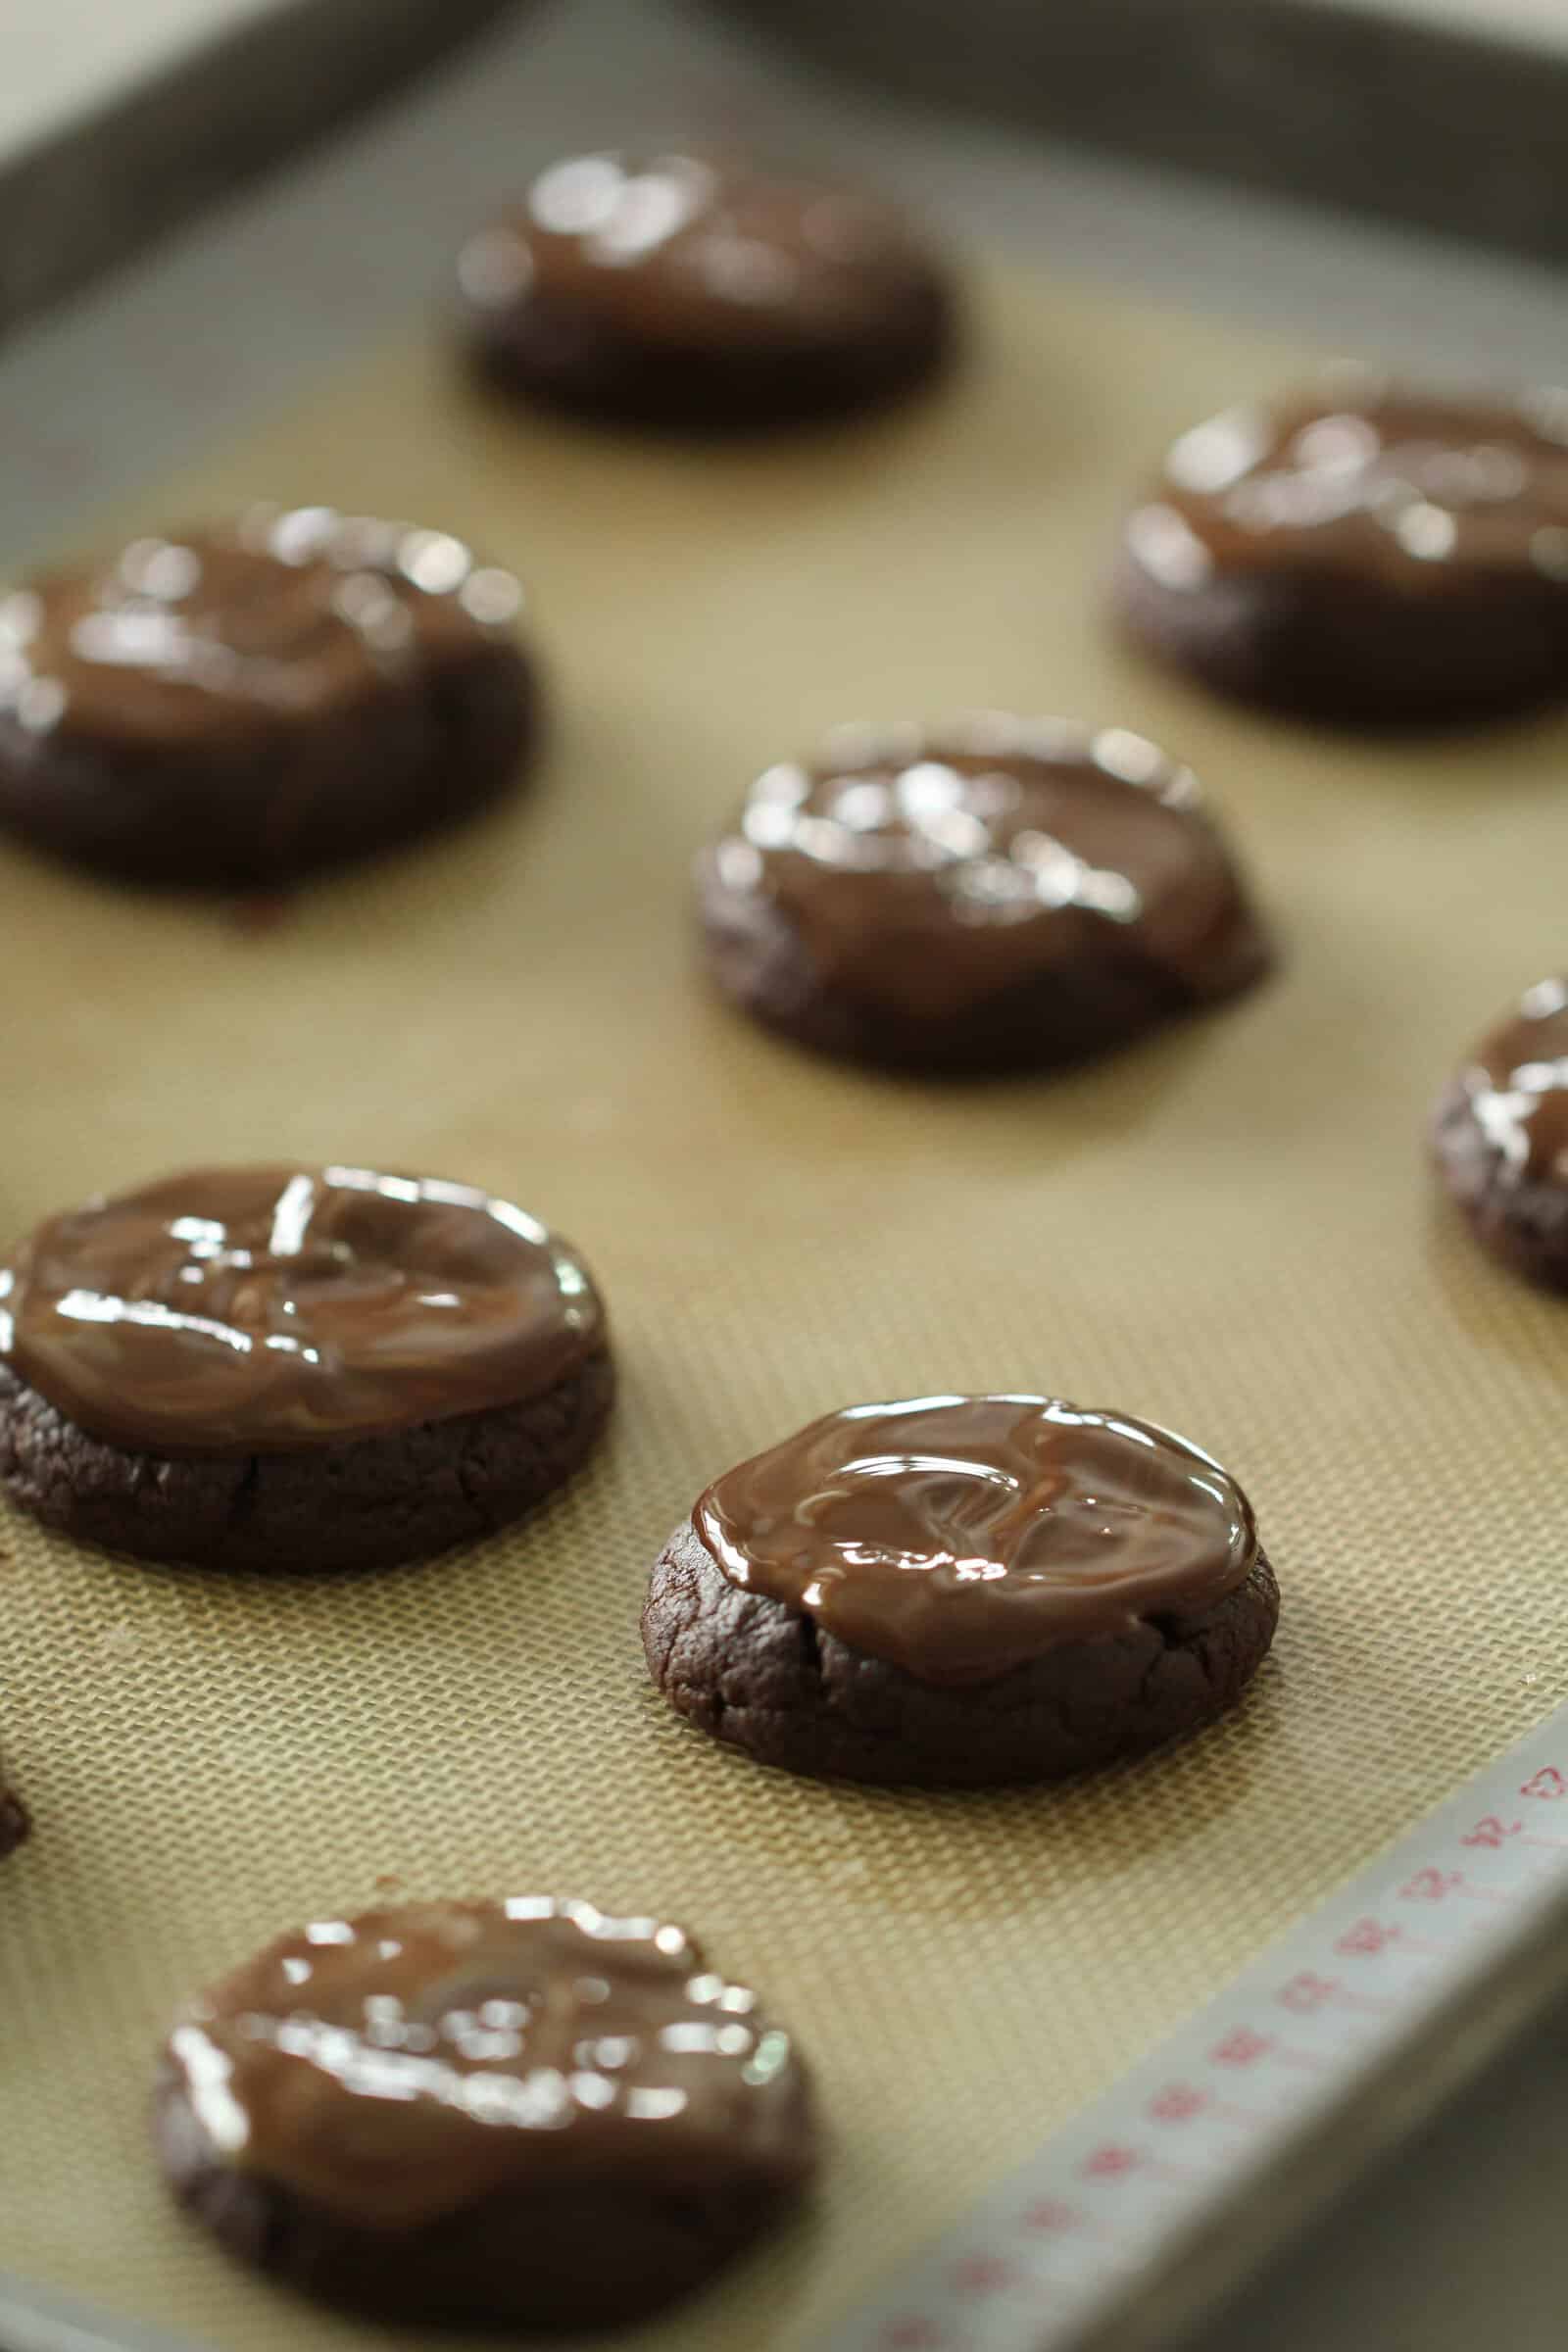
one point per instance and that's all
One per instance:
(1000, 894)
(961, 1591)
(1500, 1137)
(697, 293)
(234, 707)
(522, 2112)
(292, 1368)
(1364, 554)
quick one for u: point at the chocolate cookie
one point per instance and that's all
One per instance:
(1372, 555)
(521, 2112)
(295, 1368)
(961, 1591)
(698, 293)
(1000, 894)
(1500, 1137)
(234, 707)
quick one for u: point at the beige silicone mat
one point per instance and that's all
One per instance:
(1229, 1230)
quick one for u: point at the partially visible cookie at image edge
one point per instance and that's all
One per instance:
(282, 1367)
(1361, 552)
(239, 705)
(1499, 1134)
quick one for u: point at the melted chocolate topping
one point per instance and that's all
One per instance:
(258, 1310)
(403, 2063)
(684, 248)
(1414, 492)
(1517, 1084)
(930, 872)
(281, 619)
(961, 1537)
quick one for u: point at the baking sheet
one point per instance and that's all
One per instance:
(117, 125)
(1443, 113)
(1228, 1230)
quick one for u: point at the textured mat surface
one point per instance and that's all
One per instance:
(1229, 1230)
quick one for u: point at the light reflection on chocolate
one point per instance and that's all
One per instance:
(699, 247)
(929, 870)
(1516, 1086)
(260, 1309)
(961, 1537)
(1409, 489)
(286, 614)
(398, 2066)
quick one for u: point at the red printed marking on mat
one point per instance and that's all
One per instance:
(983, 2275)
(1055, 2216)
(1307, 1993)
(1430, 1886)
(911, 2333)
(1436, 1886)
(1367, 1936)
(1178, 2103)
(1241, 2048)
(1016, 2276)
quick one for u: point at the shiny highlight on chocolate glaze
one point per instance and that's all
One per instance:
(1408, 488)
(927, 869)
(697, 246)
(262, 1309)
(1516, 1087)
(961, 1537)
(401, 2065)
(281, 617)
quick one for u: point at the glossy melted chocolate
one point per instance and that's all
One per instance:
(697, 250)
(1415, 492)
(961, 1537)
(285, 618)
(398, 2066)
(928, 872)
(1516, 1084)
(256, 1310)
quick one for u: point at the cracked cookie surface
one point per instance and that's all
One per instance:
(368, 1503)
(961, 1590)
(285, 1367)
(750, 1672)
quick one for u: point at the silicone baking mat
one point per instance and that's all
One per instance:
(1228, 1229)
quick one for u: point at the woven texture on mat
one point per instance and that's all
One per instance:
(1228, 1230)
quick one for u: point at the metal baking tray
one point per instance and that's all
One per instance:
(208, 1763)
(1445, 117)
(1440, 112)
(99, 156)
